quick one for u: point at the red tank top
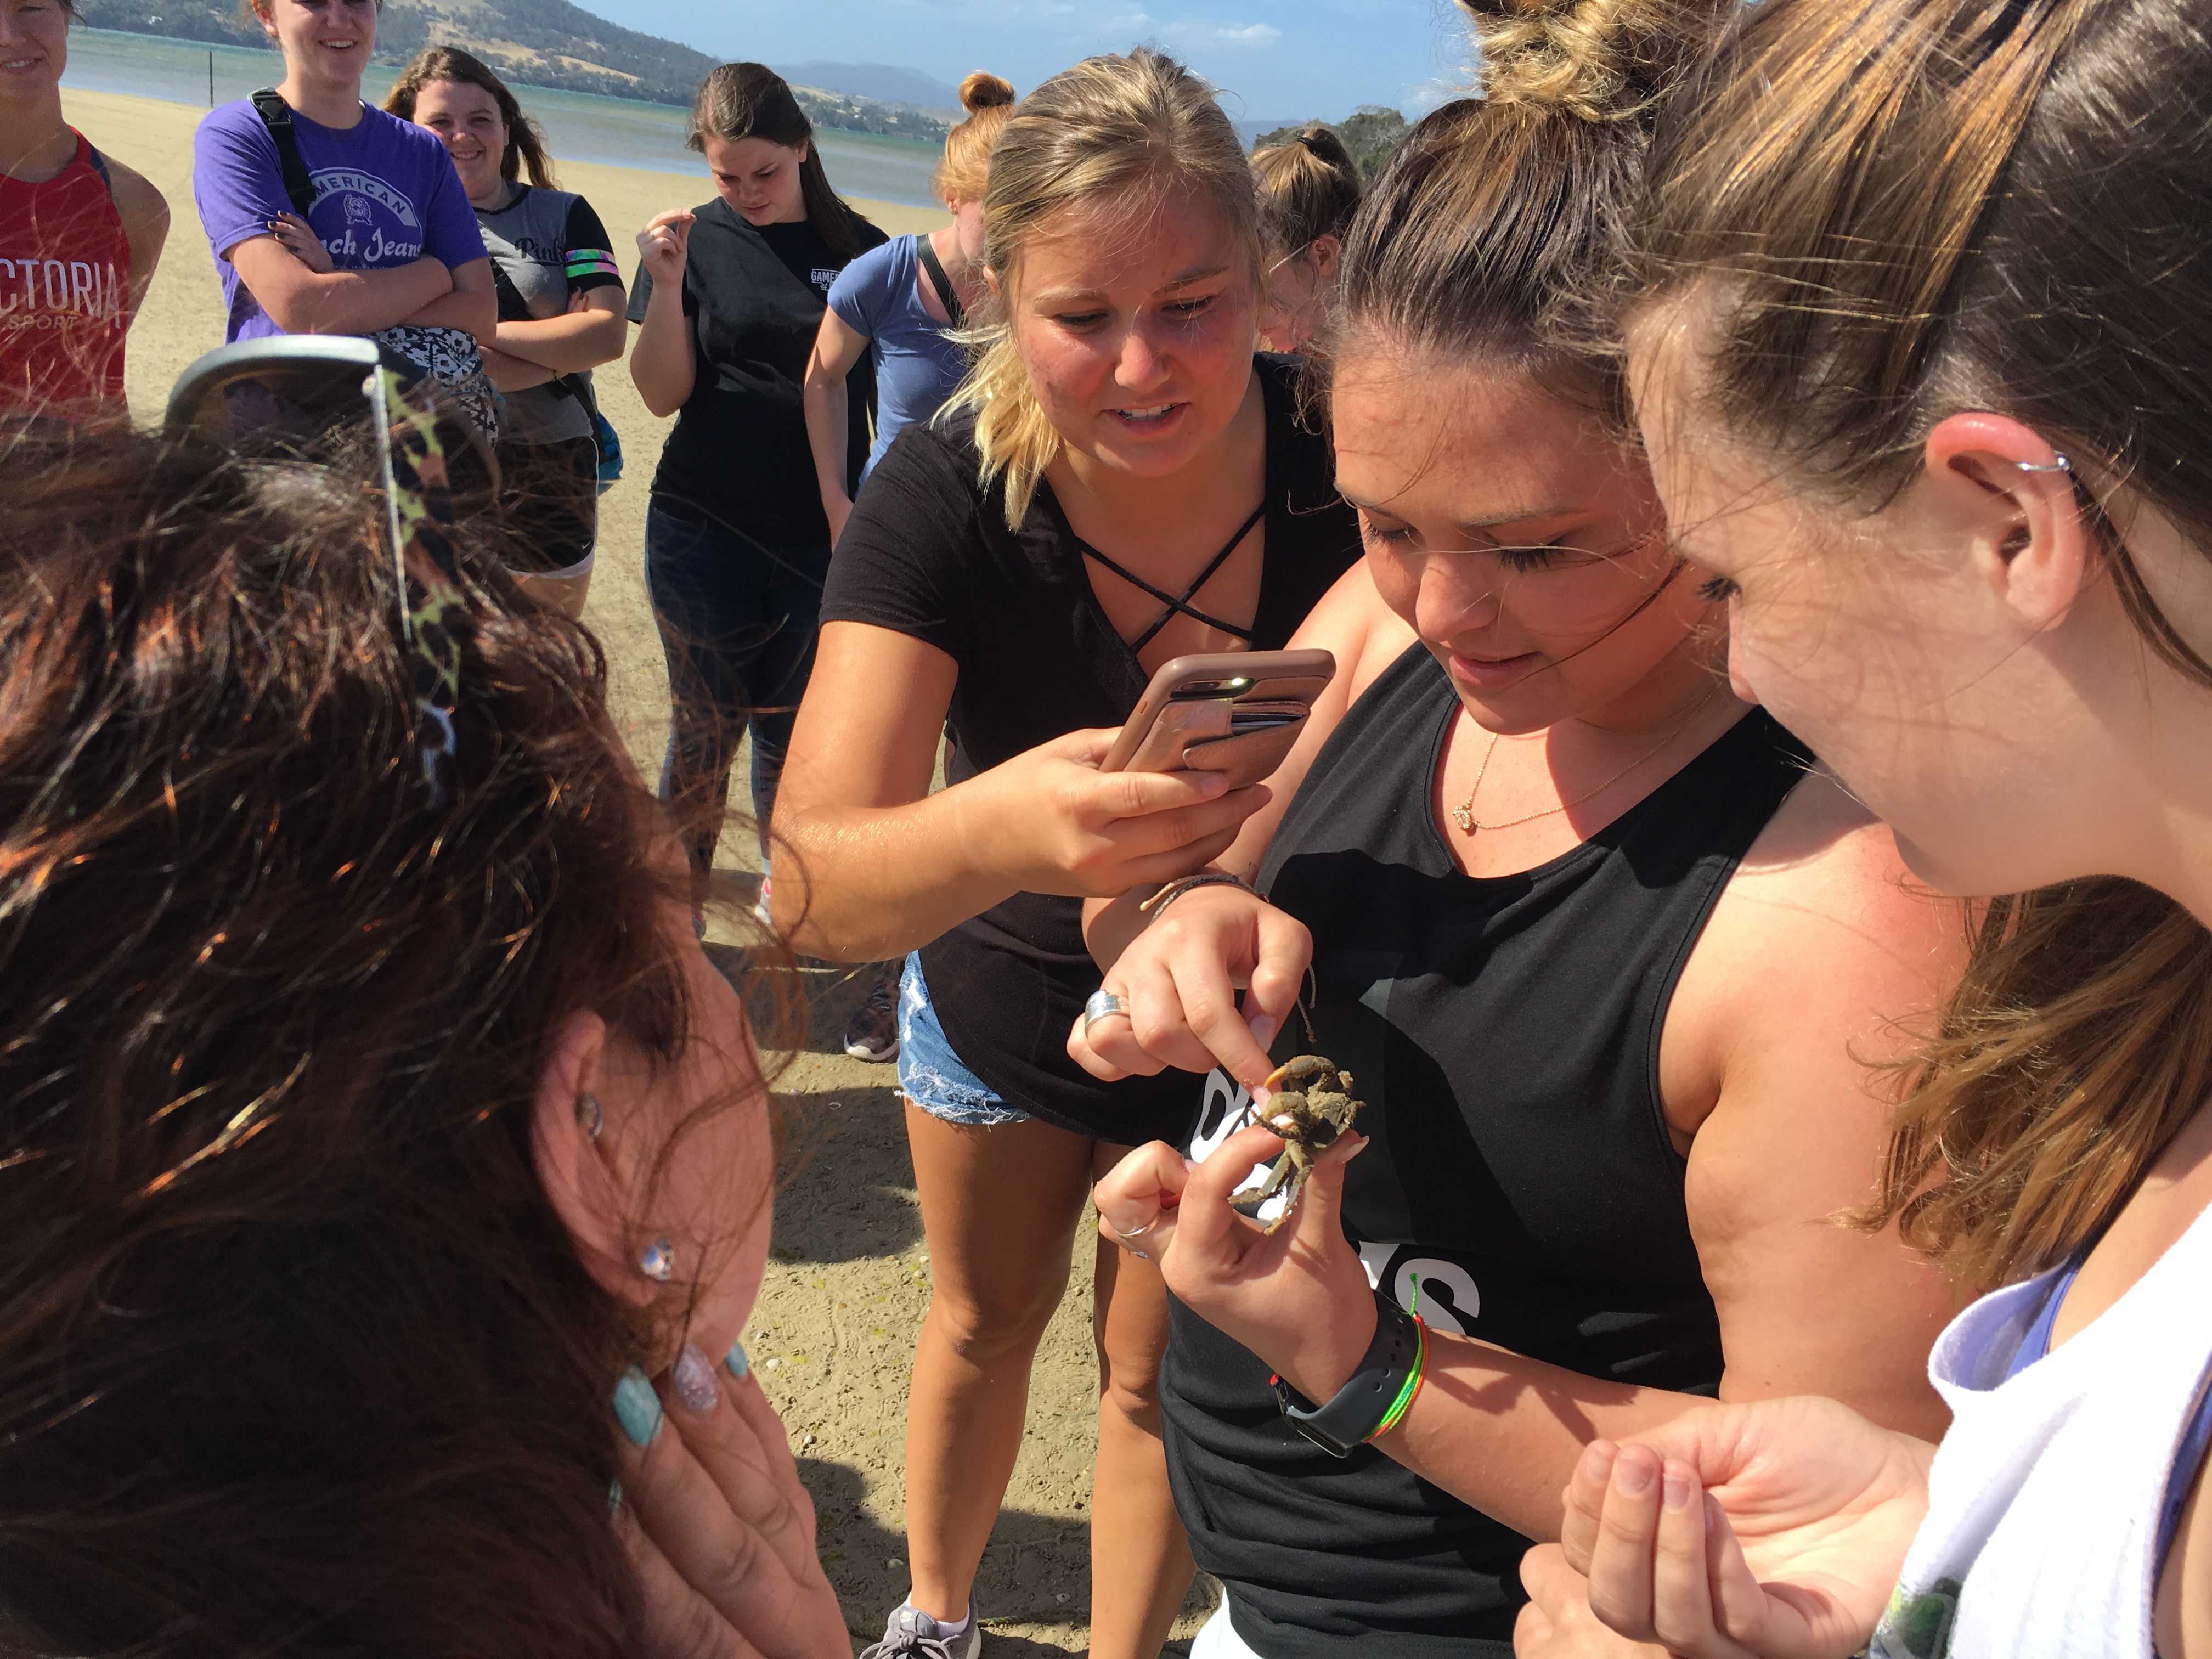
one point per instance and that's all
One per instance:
(64, 278)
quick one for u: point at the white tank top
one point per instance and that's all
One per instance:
(2042, 1535)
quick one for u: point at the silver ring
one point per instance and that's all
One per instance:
(1101, 1005)
(1139, 1233)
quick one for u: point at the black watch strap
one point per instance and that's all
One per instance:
(1357, 1410)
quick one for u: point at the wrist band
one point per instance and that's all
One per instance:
(1380, 1393)
(1175, 889)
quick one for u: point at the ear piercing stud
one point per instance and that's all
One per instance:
(589, 1118)
(657, 1261)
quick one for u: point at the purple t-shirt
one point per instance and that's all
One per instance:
(386, 194)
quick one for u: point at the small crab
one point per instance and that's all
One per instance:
(1309, 1120)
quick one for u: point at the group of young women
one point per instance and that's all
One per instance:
(1746, 476)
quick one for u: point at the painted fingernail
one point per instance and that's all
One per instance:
(1632, 1476)
(1675, 1490)
(637, 1408)
(695, 1381)
(737, 1362)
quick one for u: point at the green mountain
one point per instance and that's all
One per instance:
(540, 43)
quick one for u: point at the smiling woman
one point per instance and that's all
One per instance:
(1005, 570)
(80, 234)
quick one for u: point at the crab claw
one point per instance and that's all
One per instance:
(1299, 1065)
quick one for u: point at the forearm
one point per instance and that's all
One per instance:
(1502, 1432)
(510, 373)
(869, 884)
(566, 344)
(660, 363)
(476, 315)
(356, 301)
(827, 412)
(1109, 925)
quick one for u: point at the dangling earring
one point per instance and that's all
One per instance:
(589, 1118)
(657, 1261)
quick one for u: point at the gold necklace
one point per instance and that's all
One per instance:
(1464, 816)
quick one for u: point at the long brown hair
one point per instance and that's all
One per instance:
(295, 1354)
(751, 100)
(526, 139)
(1490, 231)
(1904, 211)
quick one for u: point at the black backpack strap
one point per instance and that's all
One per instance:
(940, 280)
(277, 115)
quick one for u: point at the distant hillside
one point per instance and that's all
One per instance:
(539, 43)
(884, 82)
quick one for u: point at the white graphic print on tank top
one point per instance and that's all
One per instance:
(2043, 1518)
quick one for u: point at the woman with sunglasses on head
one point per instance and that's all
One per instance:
(1606, 956)
(390, 1173)
(1957, 494)
(730, 298)
(560, 314)
(1122, 481)
(1309, 188)
(80, 234)
(389, 238)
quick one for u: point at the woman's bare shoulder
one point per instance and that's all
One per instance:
(1352, 622)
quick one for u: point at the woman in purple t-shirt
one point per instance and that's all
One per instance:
(391, 238)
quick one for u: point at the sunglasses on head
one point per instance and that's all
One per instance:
(308, 400)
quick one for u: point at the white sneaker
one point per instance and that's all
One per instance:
(913, 1634)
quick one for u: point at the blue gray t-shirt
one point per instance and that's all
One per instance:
(917, 368)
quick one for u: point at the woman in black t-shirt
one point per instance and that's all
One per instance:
(1608, 958)
(1004, 569)
(731, 297)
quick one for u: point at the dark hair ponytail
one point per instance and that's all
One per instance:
(751, 100)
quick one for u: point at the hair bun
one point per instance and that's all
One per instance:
(984, 90)
(1600, 60)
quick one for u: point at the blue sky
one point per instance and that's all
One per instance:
(1284, 59)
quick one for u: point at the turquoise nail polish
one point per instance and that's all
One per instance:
(637, 1408)
(736, 1362)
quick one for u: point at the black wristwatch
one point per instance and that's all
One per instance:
(1356, 1411)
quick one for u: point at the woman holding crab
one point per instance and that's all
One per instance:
(1605, 955)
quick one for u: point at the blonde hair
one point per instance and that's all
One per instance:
(962, 175)
(1100, 132)
(1599, 60)
(1309, 188)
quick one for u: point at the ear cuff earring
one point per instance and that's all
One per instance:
(2062, 464)
(657, 1261)
(589, 1118)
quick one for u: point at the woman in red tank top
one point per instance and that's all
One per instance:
(80, 234)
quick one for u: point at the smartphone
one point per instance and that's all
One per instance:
(1234, 712)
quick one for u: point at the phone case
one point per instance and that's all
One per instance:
(1235, 713)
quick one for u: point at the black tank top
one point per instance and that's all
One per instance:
(1505, 1034)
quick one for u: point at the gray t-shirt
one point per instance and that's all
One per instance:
(550, 245)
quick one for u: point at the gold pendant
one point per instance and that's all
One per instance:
(1465, 818)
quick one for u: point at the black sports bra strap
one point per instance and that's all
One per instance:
(1181, 605)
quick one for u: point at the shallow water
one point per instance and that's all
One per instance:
(581, 126)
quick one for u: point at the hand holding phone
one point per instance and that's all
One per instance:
(1237, 713)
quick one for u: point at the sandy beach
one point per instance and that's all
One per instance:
(833, 1335)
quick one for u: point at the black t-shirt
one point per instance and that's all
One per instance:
(1505, 1033)
(756, 296)
(928, 553)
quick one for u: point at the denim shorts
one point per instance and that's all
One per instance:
(930, 1074)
